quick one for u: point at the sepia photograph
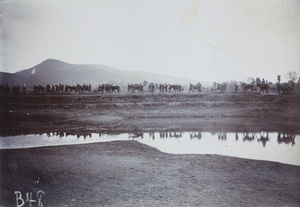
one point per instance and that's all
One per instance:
(170, 103)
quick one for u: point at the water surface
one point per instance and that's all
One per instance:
(270, 146)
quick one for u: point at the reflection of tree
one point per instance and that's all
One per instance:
(248, 137)
(286, 138)
(264, 139)
(195, 135)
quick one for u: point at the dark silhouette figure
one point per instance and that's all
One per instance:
(286, 138)
(264, 139)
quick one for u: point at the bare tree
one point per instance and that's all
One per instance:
(292, 75)
(250, 80)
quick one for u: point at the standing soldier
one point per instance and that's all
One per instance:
(24, 88)
(235, 87)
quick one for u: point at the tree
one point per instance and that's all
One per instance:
(292, 75)
(250, 80)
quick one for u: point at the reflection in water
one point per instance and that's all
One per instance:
(66, 134)
(163, 135)
(275, 146)
(263, 138)
(282, 138)
(222, 136)
(136, 135)
(175, 134)
(197, 135)
(248, 137)
(286, 138)
(152, 135)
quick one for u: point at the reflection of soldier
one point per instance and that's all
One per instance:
(236, 136)
(264, 139)
(222, 136)
(163, 135)
(152, 135)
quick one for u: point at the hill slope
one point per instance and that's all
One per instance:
(54, 72)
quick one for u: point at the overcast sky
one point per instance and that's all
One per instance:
(211, 40)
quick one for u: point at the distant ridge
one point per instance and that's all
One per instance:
(54, 72)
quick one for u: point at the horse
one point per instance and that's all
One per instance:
(69, 88)
(163, 88)
(247, 87)
(176, 88)
(263, 87)
(38, 88)
(195, 87)
(285, 88)
(221, 87)
(115, 88)
(108, 88)
(133, 87)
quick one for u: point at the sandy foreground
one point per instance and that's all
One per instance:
(128, 173)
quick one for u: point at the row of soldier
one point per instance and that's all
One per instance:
(164, 88)
(60, 88)
(15, 88)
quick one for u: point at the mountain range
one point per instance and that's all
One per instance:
(54, 72)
